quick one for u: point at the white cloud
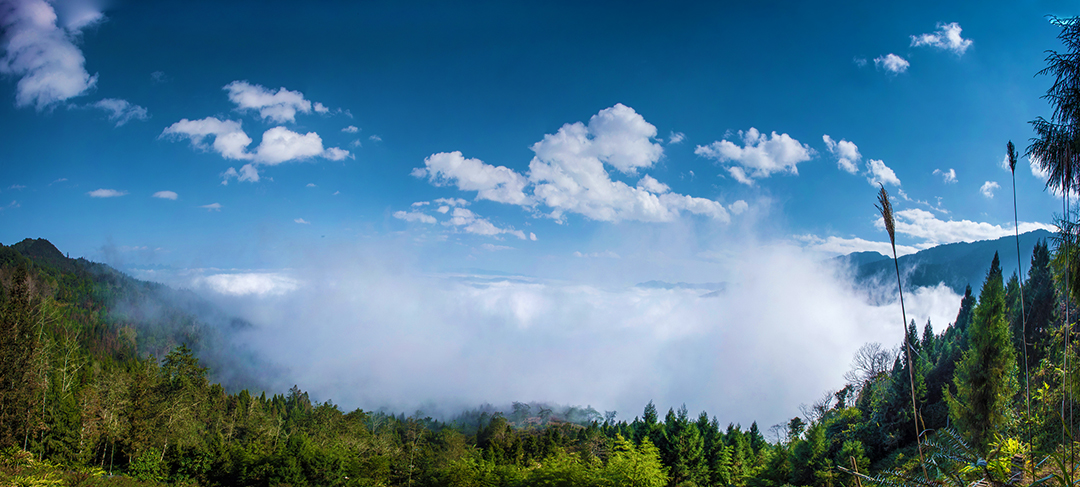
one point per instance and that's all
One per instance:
(738, 207)
(946, 37)
(252, 283)
(166, 195)
(499, 184)
(650, 184)
(229, 139)
(988, 188)
(947, 176)
(302, 221)
(320, 108)
(122, 111)
(310, 185)
(859, 61)
(414, 216)
(892, 63)
(846, 152)
(676, 137)
(844, 246)
(760, 156)
(881, 174)
(336, 154)
(42, 55)
(280, 144)
(452, 201)
(351, 129)
(280, 106)
(495, 248)
(212, 207)
(607, 254)
(532, 236)
(375, 138)
(106, 193)
(924, 225)
(1038, 171)
(247, 172)
(473, 223)
(568, 173)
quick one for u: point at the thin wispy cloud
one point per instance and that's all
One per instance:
(166, 195)
(106, 193)
(948, 177)
(121, 111)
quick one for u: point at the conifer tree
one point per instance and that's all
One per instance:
(985, 378)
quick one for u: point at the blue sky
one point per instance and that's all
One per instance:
(600, 145)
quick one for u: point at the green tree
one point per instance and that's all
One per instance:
(985, 378)
(18, 347)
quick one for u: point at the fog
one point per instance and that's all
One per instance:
(357, 326)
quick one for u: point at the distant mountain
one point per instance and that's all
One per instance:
(161, 318)
(957, 265)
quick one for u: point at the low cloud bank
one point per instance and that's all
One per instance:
(365, 332)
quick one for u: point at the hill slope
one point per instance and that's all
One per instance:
(957, 265)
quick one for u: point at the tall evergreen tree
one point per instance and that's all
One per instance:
(985, 378)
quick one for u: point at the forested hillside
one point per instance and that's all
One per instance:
(91, 391)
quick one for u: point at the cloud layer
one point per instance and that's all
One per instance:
(366, 333)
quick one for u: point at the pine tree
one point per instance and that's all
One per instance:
(985, 378)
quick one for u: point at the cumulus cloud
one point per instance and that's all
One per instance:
(278, 144)
(212, 207)
(946, 37)
(302, 221)
(280, 106)
(495, 183)
(43, 55)
(760, 156)
(122, 111)
(351, 129)
(166, 195)
(924, 225)
(568, 173)
(947, 176)
(676, 137)
(892, 63)
(988, 188)
(846, 152)
(414, 216)
(229, 139)
(247, 172)
(470, 222)
(106, 193)
(375, 138)
(879, 173)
